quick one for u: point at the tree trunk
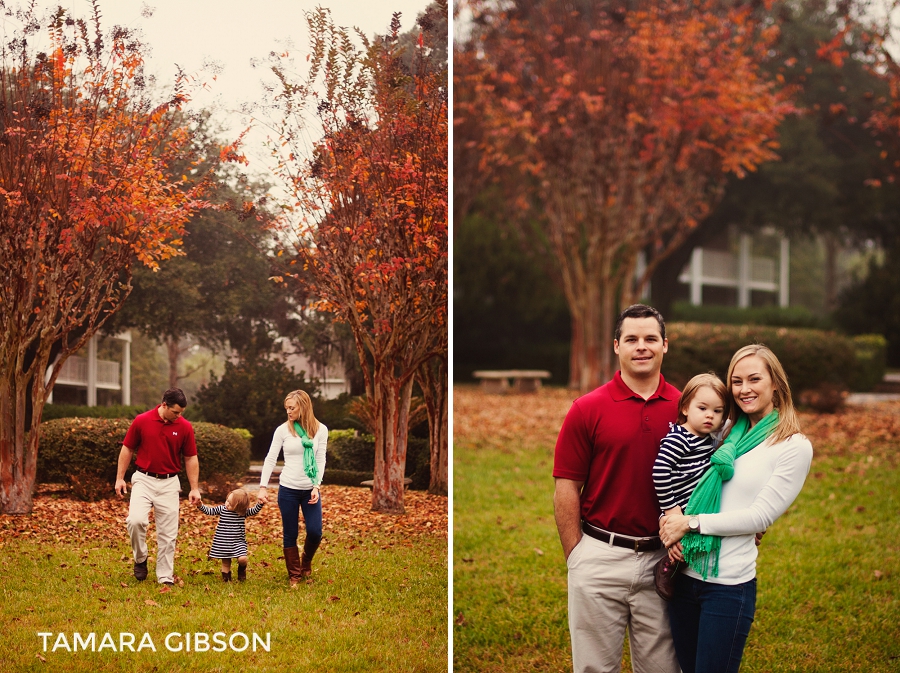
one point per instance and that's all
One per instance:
(576, 352)
(18, 457)
(391, 399)
(432, 377)
(831, 254)
(174, 352)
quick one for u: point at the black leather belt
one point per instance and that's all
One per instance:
(625, 541)
(156, 476)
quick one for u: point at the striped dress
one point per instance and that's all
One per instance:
(683, 458)
(230, 540)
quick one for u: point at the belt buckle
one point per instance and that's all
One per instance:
(639, 541)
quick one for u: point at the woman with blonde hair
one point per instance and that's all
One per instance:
(303, 440)
(754, 477)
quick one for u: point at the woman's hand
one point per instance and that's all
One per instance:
(314, 496)
(672, 528)
(262, 496)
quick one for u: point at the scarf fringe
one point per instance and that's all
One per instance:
(701, 553)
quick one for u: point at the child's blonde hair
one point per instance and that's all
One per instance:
(708, 380)
(240, 500)
(307, 420)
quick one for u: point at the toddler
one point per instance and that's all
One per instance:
(230, 540)
(684, 453)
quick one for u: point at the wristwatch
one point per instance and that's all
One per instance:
(694, 524)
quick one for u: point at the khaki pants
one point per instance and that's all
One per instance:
(162, 496)
(611, 589)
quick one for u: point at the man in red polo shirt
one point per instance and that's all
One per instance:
(161, 437)
(606, 506)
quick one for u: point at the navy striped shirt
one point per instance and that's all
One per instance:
(230, 540)
(683, 458)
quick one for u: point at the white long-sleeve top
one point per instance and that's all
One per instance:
(293, 475)
(766, 481)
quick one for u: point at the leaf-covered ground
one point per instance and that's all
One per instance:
(57, 519)
(499, 421)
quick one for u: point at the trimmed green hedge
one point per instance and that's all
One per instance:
(54, 411)
(90, 447)
(811, 358)
(773, 316)
(356, 456)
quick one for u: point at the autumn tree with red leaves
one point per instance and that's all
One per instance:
(616, 126)
(363, 147)
(85, 191)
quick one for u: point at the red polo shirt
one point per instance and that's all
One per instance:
(609, 441)
(159, 444)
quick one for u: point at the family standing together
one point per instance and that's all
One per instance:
(667, 493)
(162, 438)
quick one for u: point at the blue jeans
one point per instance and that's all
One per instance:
(710, 623)
(290, 502)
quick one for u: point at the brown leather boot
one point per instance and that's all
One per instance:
(292, 561)
(226, 576)
(306, 558)
(242, 572)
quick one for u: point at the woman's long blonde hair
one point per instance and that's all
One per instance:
(307, 420)
(788, 422)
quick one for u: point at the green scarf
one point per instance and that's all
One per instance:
(309, 457)
(701, 552)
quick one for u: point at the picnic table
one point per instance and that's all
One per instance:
(524, 380)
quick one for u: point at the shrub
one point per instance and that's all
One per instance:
(345, 477)
(772, 316)
(78, 449)
(250, 394)
(352, 458)
(871, 360)
(54, 411)
(811, 358)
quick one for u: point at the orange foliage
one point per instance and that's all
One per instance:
(85, 188)
(621, 126)
(371, 200)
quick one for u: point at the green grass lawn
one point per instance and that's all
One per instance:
(829, 598)
(377, 602)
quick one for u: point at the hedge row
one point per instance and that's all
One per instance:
(54, 411)
(811, 358)
(356, 454)
(89, 448)
(773, 316)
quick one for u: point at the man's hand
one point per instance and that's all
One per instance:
(194, 496)
(122, 489)
(567, 510)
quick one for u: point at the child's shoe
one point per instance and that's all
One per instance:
(242, 572)
(226, 577)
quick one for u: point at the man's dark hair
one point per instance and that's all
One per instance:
(174, 396)
(640, 311)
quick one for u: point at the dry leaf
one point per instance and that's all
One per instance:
(153, 603)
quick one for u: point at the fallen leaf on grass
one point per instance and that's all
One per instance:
(123, 585)
(165, 589)
(41, 658)
(332, 599)
(186, 604)
(539, 552)
(878, 574)
(460, 620)
(149, 602)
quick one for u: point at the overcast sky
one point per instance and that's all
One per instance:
(231, 33)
